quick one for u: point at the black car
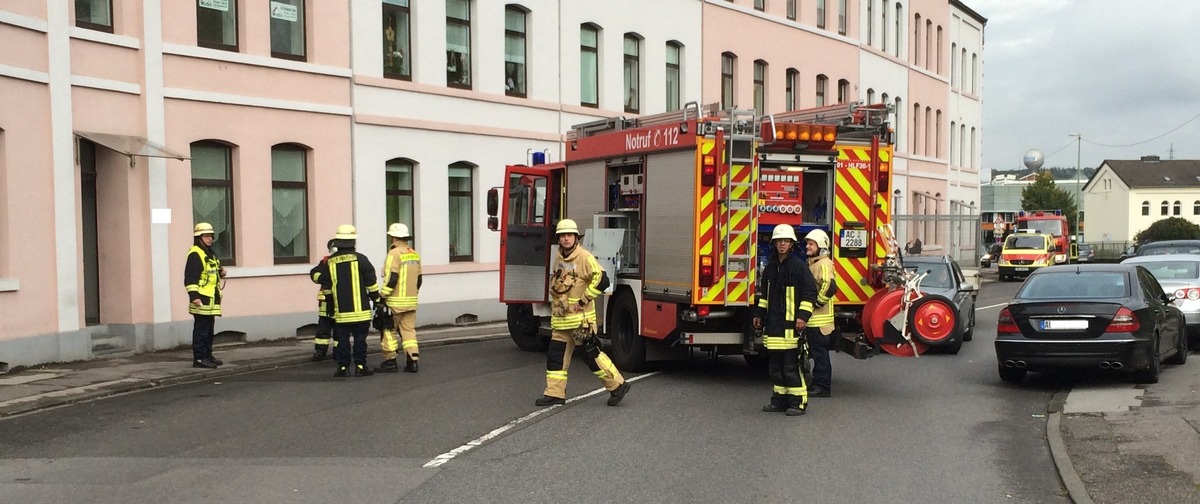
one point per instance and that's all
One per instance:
(1099, 316)
(1086, 253)
(946, 279)
(1169, 247)
(992, 255)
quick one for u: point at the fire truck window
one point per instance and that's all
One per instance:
(816, 197)
(519, 191)
(539, 201)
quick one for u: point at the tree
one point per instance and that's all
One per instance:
(1171, 228)
(1043, 194)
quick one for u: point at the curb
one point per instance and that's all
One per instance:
(1076, 490)
(133, 385)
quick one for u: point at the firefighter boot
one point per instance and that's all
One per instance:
(549, 401)
(411, 364)
(618, 393)
(388, 366)
(796, 406)
(320, 352)
(342, 372)
(778, 404)
(362, 370)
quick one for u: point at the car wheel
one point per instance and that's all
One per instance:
(1150, 374)
(523, 327)
(1012, 374)
(969, 334)
(952, 347)
(1181, 347)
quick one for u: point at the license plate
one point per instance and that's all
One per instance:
(1020, 269)
(854, 238)
(1064, 324)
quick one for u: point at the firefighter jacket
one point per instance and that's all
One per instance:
(822, 271)
(349, 278)
(401, 278)
(786, 293)
(202, 278)
(574, 279)
(323, 307)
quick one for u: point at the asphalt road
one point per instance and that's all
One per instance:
(938, 428)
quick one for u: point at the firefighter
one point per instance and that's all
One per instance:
(202, 276)
(349, 278)
(820, 325)
(785, 302)
(324, 320)
(574, 285)
(401, 282)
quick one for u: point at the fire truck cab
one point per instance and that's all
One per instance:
(678, 209)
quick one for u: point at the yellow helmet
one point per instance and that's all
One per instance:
(783, 232)
(567, 226)
(398, 230)
(819, 237)
(346, 232)
(202, 228)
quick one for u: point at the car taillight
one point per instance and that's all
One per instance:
(1005, 323)
(707, 272)
(1190, 293)
(1123, 321)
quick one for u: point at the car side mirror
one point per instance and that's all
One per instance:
(966, 288)
(493, 201)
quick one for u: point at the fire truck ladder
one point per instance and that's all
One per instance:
(741, 208)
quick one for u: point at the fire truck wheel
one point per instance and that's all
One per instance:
(523, 327)
(934, 321)
(628, 349)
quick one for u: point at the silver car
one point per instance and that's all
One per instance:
(1179, 275)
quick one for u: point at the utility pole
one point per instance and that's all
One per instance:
(1078, 185)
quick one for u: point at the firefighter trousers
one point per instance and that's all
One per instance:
(202, 336)
(342, 350)
(558, 359)
(324, 334)
(789, 390)
(818, 347)
(406, 323)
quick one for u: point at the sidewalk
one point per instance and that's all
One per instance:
(57, 384)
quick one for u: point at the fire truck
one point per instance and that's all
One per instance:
(679, 209)
(1053, 223)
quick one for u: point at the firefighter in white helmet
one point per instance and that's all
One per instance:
(401, 281)
(324, 311)
(574, 285)
(349, 278)
(820, 325)
(202, 276)
(786, 294)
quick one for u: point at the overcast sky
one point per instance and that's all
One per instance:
(1117, 72)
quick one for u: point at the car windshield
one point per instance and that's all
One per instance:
(1173, 270)
(1072, 285)
(1025, 242)
(938, 277)
(1169, 249)
(1049, 226)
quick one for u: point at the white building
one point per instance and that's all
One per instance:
(1125, 197)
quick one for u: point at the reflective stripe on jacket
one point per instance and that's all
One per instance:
(349, 278)
(322, 294)
(401, 277)
(786, 293)
(574, 278)
(202, 278)
(824, 275)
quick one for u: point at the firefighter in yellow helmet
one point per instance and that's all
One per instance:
(324, 311)
(202, 276)
(820, 325)
(574, 285)
(786, 294)
(401, 281)
(349, 278)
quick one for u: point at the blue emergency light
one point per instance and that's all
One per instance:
(538, 158)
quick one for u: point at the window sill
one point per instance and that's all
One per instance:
(10, 284)
(268, 271)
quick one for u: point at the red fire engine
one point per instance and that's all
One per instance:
(1053, 223)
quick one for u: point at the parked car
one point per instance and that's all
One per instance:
(990, 255)
(1024, 253)
(946, 279)
(1169, 247)
(1086, 253)
(1099, 316)
(1130, 251)
(1179, 275)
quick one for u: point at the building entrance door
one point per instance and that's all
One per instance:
(91, 250)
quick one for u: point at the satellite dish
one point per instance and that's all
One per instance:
(1033, 159)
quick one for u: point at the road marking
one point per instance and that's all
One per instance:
(441, 460)
(988, 307)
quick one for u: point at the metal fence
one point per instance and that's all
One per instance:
(1110, 250)
(959, 236)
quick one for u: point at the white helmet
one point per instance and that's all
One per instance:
(346, 232)
(202, 229)
(398, 230)
(784, 231)
(819, 237)
(567, 226)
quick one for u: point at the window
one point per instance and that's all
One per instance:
(938, 48)
(953, 126)
(1195, 207)
(884, 25)
(674, 51)
(820, 13)
(870, 22)
(1165, 208)
(962, 63)
(728, 60)
(397, 40)
(916, 127)
(791, 9)
(287, 29)
(870, 94)
(1145, 208)
(899, 31)
(589, 65)
(916, 46)
(760, 4)
(94, 15)
(458, 43)
(399, 200)
(790, 91)
(212, 194)
(289, 202)
(937, 137)
(760, 86)
(632, 66)
(461, 214)
(962, 143)
(821, 82)
(1175, 210)
(928, 116)
(971, 162)
(216, 24)
(843, 90)
(974, 72)
(514, 51)
(842, 17)
(928, 41)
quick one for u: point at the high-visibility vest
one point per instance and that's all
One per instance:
(350, 278)
(401, 272)
(206, 283)
(822, 271)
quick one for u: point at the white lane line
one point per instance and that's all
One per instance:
(988, 307)
(440, 460)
